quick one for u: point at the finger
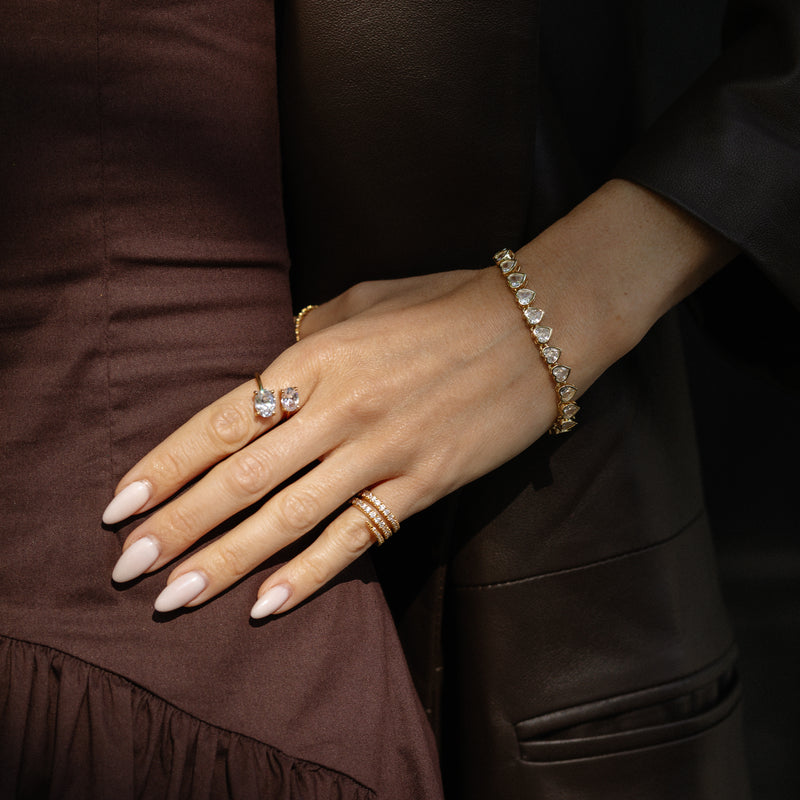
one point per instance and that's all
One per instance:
(241, 480)
(288, 515)
(372, 297)
(215, 432)
(349, 536)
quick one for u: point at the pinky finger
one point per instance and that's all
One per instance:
(349, 536)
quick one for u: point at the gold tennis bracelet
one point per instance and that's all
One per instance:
(541, 335)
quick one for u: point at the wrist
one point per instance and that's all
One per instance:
(607, 271)
(541, 334)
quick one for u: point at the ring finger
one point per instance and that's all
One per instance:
(349, 536)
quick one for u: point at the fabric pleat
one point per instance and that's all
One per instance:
(58, 711)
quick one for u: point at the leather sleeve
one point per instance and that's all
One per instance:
(729, 150)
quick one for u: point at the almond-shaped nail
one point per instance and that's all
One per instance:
(130, 500)
(181, 591)
(138, 558)
(270, 601)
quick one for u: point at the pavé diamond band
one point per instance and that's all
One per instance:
(541, 334)
(379, 520)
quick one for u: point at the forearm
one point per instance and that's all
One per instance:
(606, 272)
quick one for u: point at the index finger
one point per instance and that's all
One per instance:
(212, 434)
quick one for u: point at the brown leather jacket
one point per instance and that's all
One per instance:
(562, 616)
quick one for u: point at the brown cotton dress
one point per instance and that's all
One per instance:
(145, 273)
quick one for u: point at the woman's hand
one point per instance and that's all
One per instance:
(411, 388)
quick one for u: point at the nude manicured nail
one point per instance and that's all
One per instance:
(140, 556)
(270, 601)
(130, 500)
(181, 591)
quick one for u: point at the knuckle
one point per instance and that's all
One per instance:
(178, 524)
(230, 558)
(408, 440)
(364, 403)
(358, 297)
(169, 468)
(354, 539)
(229, 426)
(298, 512)
(249, 474)
(327, 351)
(315, 569)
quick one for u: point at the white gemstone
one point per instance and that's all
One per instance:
(551, 354)
(264, 403)
(508, 265)
(561, 373)
(516, 279)
(533, 315)
(570, 409)
(525, 296)
(566, 425)
(542, 333)
(290, 400)
(566, 393)
(503, 254)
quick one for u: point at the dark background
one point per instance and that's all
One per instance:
(743, 351)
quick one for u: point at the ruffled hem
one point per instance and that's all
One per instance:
(69, 729)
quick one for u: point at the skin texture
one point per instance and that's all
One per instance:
(414, 388)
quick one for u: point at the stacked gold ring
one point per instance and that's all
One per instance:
(379, 519)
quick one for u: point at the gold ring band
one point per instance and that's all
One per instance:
(367, 496)
(379, 519)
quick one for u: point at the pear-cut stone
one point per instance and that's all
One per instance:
(566, 393)
(542, 333)
(551, 354)
(567, 425)
(561, 373)
(508, 265)
(533, 315)
(516, 279)
(290, 400)
(264, 403)
(570, 409)
(525, 296)
(503, 254)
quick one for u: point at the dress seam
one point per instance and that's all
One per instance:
(105, 271)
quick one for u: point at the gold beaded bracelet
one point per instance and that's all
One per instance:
(298, 320)
(541, 334)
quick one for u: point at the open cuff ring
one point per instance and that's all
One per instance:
(265, 403)
(379, 520)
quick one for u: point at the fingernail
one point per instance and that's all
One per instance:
(181, 591)
(270, 601)
(140, 556)
(127, 502)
